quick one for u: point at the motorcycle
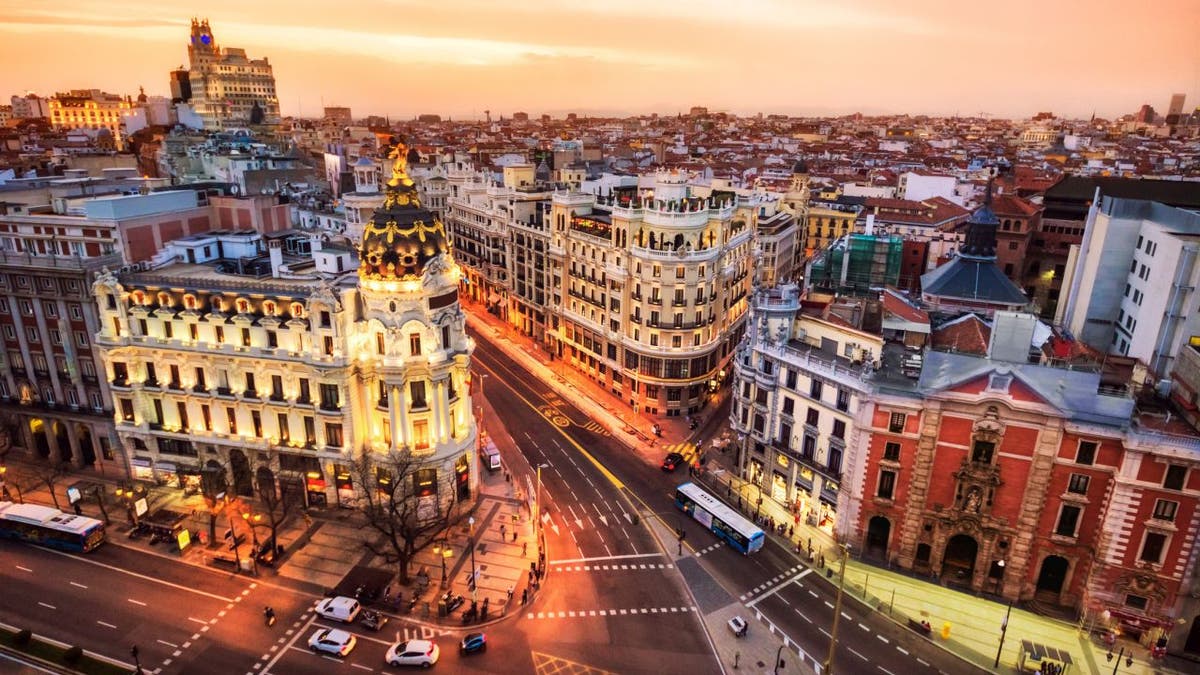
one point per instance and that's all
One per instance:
(269, 616)
(373, 620)
(453, 602)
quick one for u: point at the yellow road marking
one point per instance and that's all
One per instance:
(554, 423)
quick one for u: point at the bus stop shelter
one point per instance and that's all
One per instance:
(1033, 655)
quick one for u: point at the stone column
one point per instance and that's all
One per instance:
(393, 415)
(400, 438)
(76, 454)
(918, 488)
(443, 414)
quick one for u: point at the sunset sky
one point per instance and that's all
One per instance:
(460, 57)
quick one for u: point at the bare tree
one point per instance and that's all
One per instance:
(279, 500)
(400, 498)
(49, 473)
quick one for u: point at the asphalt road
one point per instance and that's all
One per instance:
(799, 602)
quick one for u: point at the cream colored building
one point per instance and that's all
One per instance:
(226, 84)
(648, 290)
(263, 375)
(90, 110)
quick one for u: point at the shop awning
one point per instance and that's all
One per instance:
(140, 461)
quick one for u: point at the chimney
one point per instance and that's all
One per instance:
(275, 249)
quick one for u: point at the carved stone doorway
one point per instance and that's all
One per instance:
(958, 561)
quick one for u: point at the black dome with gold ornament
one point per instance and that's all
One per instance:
(401, 237)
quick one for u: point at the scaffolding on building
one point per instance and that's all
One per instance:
(857, 263)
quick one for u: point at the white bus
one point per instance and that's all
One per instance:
(723, 521)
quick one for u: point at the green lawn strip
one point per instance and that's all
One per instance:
(55, 654)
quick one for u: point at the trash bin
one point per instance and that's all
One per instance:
(442, 608)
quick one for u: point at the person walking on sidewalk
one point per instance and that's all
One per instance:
(524, 548)
(502, 532)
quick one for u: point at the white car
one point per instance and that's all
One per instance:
(340, 608)
(332, 641)
(412, 653)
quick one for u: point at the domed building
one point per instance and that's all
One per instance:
(411, 347)
(338, 386)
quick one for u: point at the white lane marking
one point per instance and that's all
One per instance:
(136, 602)
(829, 604)
(47, 606)
(864, 627)
(199, 621)
(24, 569)
(776, 589)
(826, 633)
(135, 574)
(851, 650)
(886, 670)
(882, 639)
(613, 557)
(802, 616)
(923, 662)
(846, 616)
(106, 625)
(78, 585)
(902, 650)
(361, 666)
(172, 645)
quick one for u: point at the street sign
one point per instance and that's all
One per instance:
(73, 495)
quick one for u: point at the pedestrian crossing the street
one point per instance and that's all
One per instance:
(592, 613)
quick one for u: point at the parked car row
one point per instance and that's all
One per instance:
(423, 653)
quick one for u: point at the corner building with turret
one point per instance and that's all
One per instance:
(252, 365)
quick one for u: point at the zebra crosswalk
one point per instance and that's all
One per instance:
(688, 450)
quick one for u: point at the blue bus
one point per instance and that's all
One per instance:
(723, 521)
(50, 527)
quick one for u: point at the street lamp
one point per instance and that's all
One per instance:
(471, 541)
(443, 551)
(237, 552)
(1003, 630)
(537, 510)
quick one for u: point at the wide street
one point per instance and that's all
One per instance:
(613, 600)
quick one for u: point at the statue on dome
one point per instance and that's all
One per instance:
(399, 157)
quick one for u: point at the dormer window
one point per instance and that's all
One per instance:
(164, 299)
(999, 382)
(269, 308)
(243, 306)
(297, 310)
(189, 301)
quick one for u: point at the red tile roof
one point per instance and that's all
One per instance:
(967, 333)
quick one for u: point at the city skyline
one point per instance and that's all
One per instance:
(461, 58)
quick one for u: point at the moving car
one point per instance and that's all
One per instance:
(332, 641)
(473, 642)
(673, 461)
(412, 653)
(340, 608)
